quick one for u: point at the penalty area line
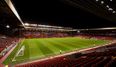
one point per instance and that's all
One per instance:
(17, 51)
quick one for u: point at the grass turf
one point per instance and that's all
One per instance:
(44, 47)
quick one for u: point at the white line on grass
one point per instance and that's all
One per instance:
(21, 51)
(17, 51)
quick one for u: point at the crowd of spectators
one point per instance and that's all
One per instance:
(44, 34)
(6, 43)
(96, 36)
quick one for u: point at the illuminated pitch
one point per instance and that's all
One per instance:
(34, 49)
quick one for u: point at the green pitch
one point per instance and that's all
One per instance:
(33, 49)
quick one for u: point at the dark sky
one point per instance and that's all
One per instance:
(57, 12)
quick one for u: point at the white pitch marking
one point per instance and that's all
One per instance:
(17, 51)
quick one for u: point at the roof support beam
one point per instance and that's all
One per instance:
(10, 4)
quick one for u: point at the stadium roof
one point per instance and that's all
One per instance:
(7, 16)
(40, 27)
(74, 13)
(66, 13)
(105, 28)
(101, 8)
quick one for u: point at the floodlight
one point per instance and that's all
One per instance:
(26, 24)
(110, 9)
(114, 12)
(102, 2)
(78, 31)
(97, 0)
(107, 6)
(7, 26)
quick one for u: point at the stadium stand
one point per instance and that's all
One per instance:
(6, 43)
(39, 34)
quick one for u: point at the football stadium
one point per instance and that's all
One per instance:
(57, 33)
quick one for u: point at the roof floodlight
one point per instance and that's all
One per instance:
(7, 26)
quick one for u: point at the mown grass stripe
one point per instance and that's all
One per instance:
(59, 46)
(75, 44)
(34, 50)
(51, 47)
(45, 50)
